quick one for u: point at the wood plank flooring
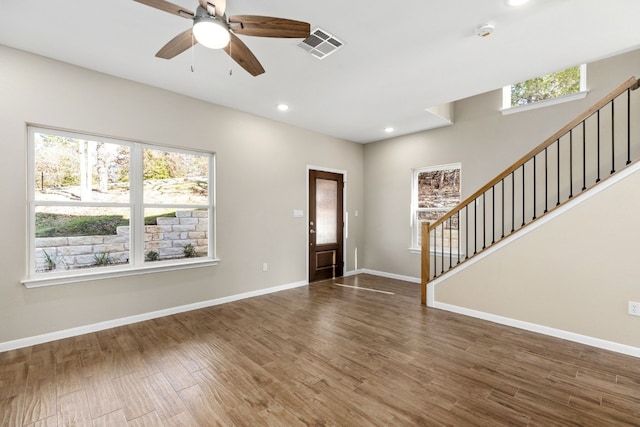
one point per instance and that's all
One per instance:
(320, 355)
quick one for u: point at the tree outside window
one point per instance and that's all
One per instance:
(551, 86)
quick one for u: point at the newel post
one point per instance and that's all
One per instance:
(425, 267)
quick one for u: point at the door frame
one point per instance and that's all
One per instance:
(345, 214)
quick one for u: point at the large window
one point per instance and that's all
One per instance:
(100, 206)
(435, 190)
(563, 85)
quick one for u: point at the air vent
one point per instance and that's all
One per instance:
(320, 43)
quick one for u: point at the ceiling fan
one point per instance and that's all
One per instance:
(213, 29)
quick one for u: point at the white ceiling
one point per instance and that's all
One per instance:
(399, 58)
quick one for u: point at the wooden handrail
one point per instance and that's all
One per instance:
(632, 84)
(427, 228)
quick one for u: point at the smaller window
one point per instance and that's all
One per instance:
(435, 190)
(561, 84)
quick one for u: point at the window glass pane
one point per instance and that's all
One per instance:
(83, 205)
(175, 233)
(326, 211)
(436, 191)
(551, 86)
(175, 178)
(450, 229)
(430, 216)
(68, 238)
(72, 169)
(439, 188)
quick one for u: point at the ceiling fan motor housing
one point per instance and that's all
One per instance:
(210, 31)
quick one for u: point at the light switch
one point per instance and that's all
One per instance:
(298, 213)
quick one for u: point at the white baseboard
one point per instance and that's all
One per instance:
(545, 330)
(566, 335)
(391, 275)
(353, 273)
(67, 333)
(95, 327)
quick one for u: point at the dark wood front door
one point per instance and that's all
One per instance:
(326, 225)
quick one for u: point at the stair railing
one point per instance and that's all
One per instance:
(606, 138)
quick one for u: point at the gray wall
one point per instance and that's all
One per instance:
(574, 274)
(482, 139)
(261, 179)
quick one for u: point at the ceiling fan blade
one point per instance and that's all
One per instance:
(168, 7)
(177, 45)
(219, 5)
(240, 53)
(266, 26)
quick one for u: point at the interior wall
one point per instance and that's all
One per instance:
(483, 140)
(580, 282)
(261, 179)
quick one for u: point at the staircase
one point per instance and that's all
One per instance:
(599, 143)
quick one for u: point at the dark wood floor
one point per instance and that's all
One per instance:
(320, 355)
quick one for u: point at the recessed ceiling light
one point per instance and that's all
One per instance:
(516, 2)
(389, 129)
(283, 107)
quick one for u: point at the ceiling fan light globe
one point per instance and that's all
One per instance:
(211, 32)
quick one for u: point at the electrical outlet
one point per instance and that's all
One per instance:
(634, 308)
(265, 267)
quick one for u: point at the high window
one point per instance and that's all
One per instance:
(104, 206)
(435, 190)
(564, 85)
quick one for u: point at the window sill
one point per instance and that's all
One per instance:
(63, 278)
(544, 103)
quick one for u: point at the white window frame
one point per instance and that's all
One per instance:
(137, 264)
(416, 246)
(582, 93)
